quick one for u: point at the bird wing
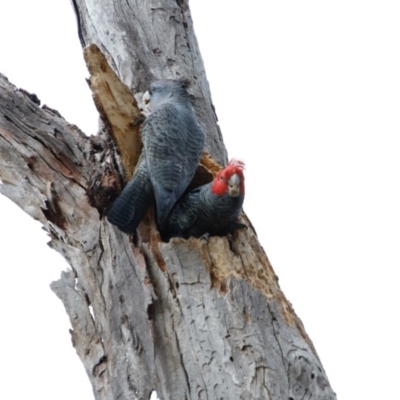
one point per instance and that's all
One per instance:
(184, 214)
(173, 142)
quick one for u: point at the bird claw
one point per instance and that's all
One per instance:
(138, 121)
(205, 236)
(239, 225)
(236, 225)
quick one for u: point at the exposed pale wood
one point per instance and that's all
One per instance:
(148, 40)
(118, 108)
(232, 330)
(191, 319)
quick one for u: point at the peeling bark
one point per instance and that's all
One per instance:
(118, 108)
(189, 318)
(148, 40)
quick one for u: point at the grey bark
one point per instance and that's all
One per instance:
(147, 40)
(190, 319)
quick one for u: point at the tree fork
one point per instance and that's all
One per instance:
(190, 319)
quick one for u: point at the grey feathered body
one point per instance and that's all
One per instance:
(173, 143)
(130, 206)
(203, 212)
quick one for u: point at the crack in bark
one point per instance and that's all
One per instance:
(144, 32)
(188, 327)
(279, 345)
(186, 29)
(128, 252)
(305, 393)
(182, 362)
(102, 360)
(21, 123)
(44, 144)
(79, 22)
(100, 269)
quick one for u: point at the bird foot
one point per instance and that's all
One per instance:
(205, 236)
(239, 225)
(138, 121)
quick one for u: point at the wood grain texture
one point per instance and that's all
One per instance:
(106, 282)
(117, 107)
(148, 40)
(191, 319)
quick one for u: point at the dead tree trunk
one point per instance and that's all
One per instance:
(190, 319)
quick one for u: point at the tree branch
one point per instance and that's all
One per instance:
(192, 319)
(152, 40)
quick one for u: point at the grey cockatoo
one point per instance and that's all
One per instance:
(173, 143)
(210, 209)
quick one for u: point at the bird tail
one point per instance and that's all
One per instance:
(130, 206)
(165, 201)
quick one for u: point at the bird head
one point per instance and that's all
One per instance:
(230, 180)
(166, 90)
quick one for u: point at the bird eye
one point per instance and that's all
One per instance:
(152, 89)
(222, 178)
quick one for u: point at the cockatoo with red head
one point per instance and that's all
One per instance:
(211, 209)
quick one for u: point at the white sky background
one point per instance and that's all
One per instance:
(308, 95)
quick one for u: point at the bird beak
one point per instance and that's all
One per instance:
(234, 185)
(146, 98)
